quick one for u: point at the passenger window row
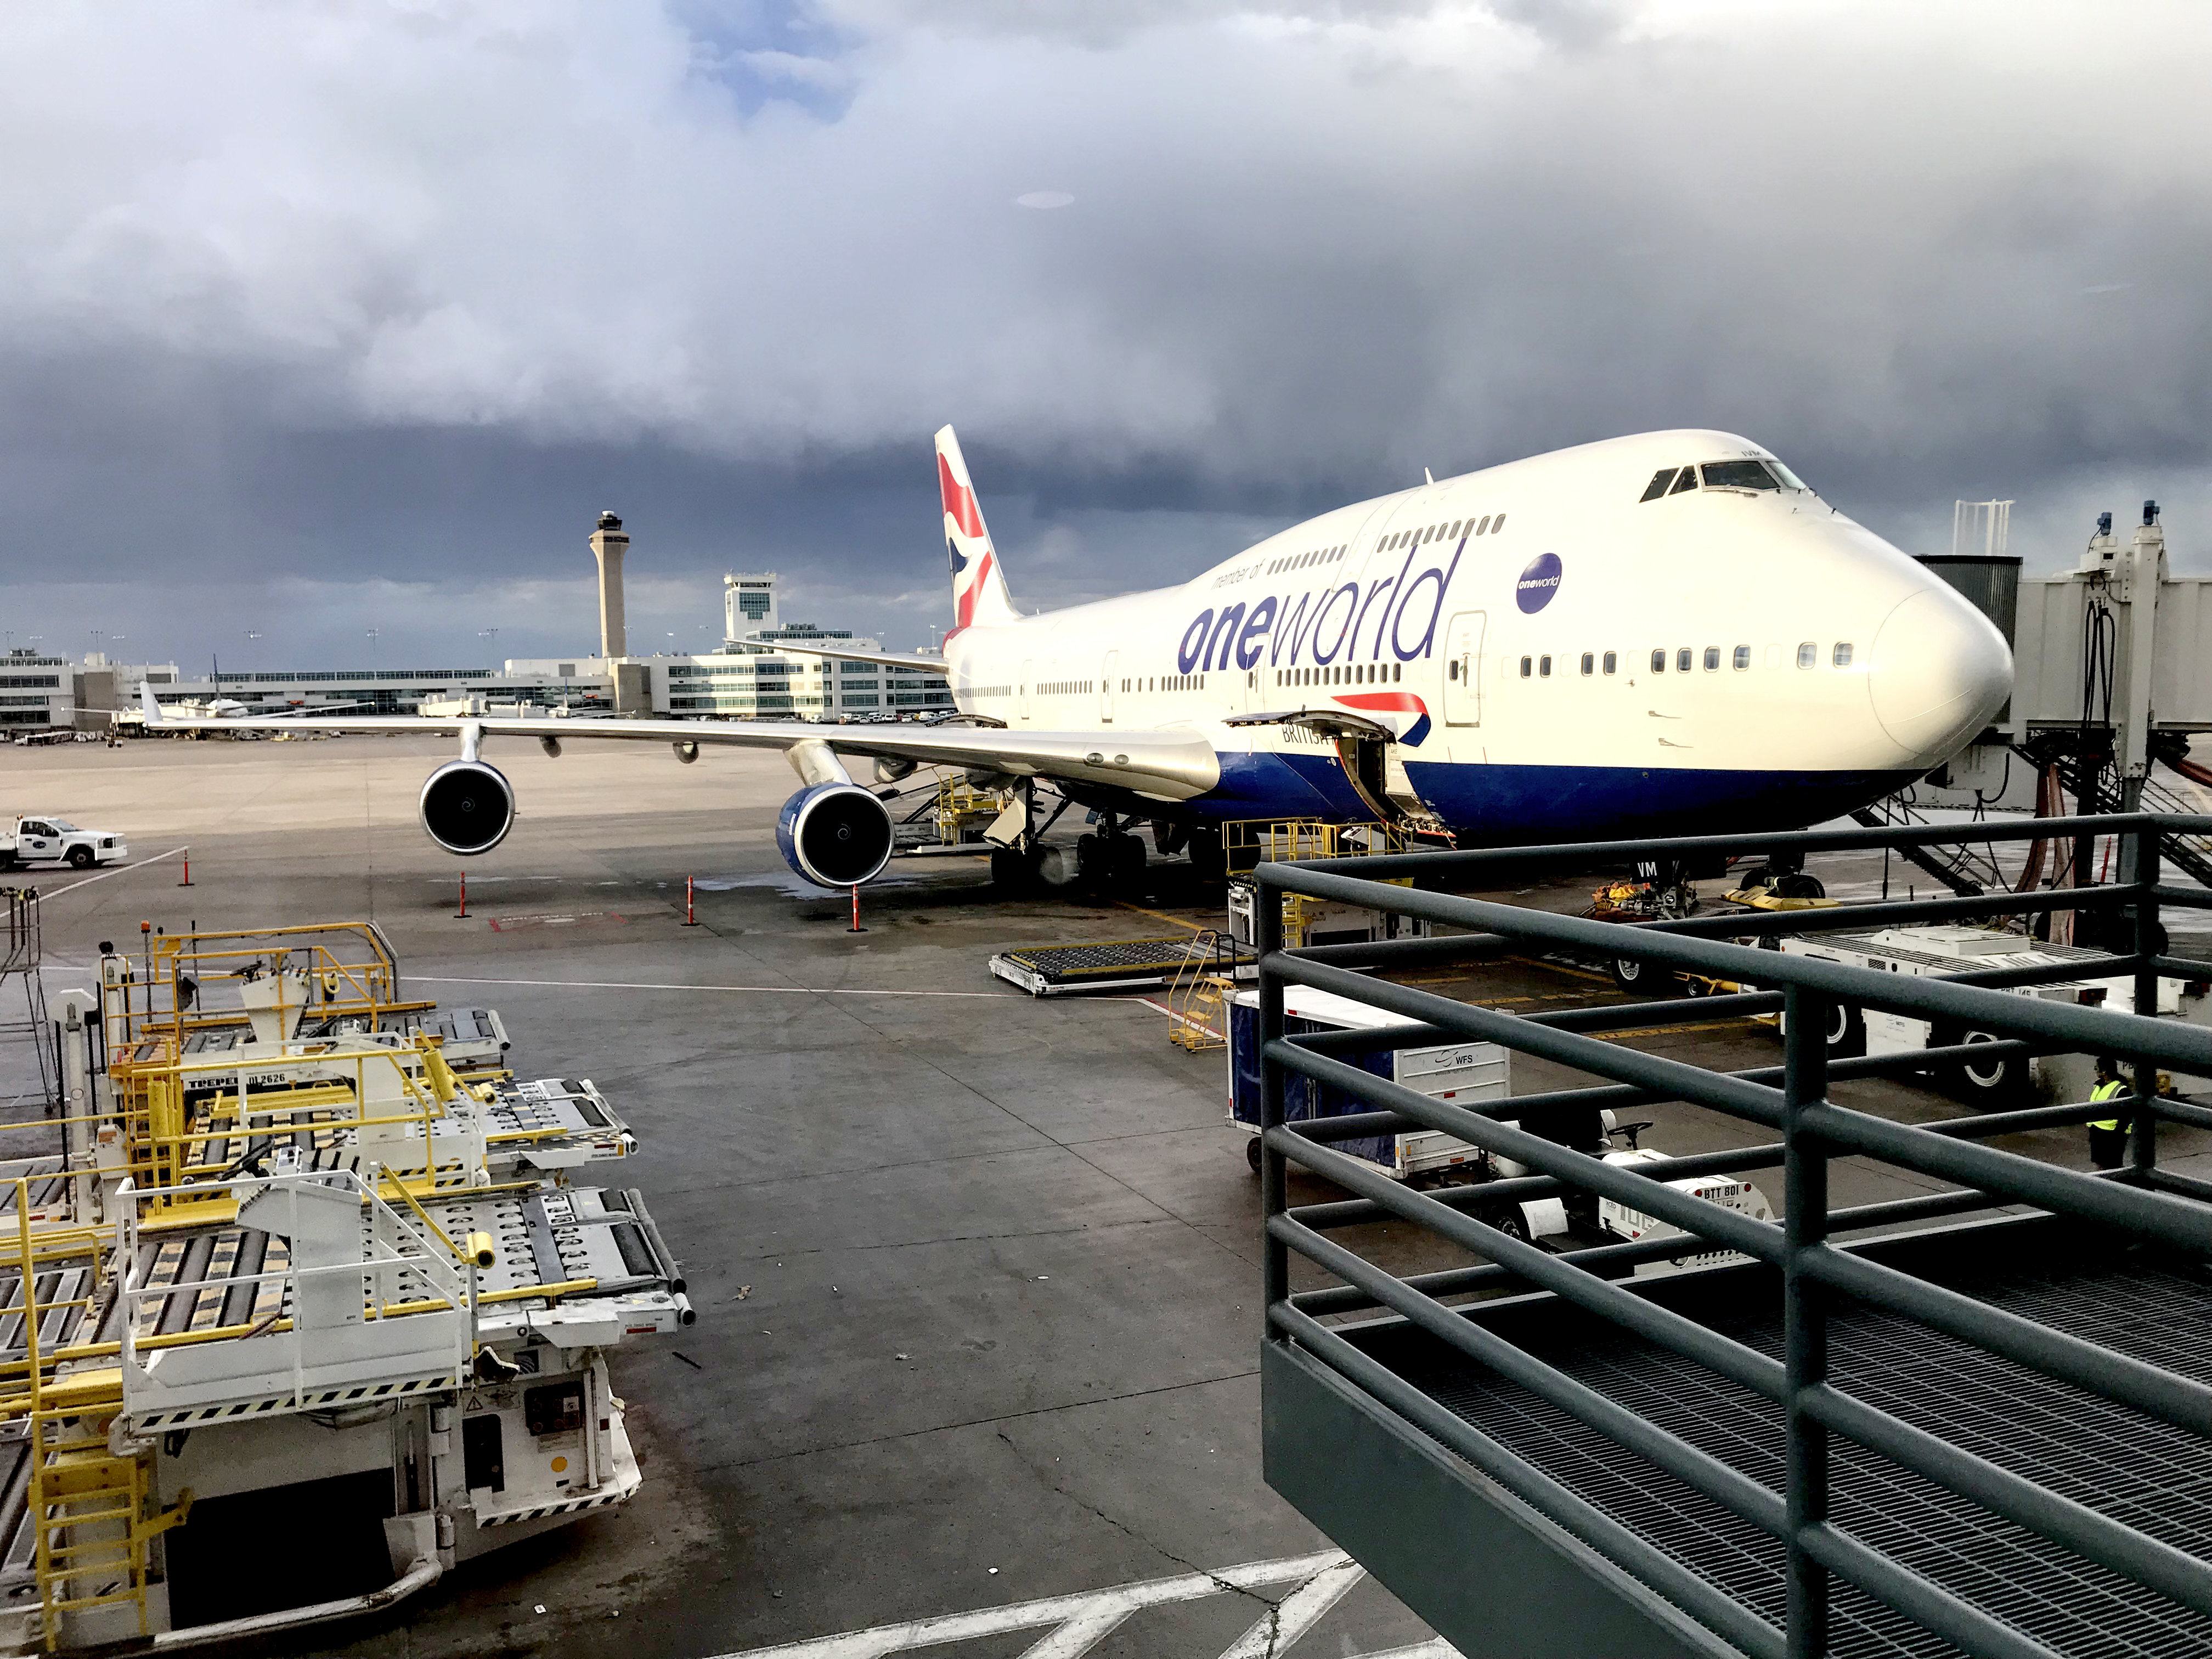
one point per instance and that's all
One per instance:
(1721, 475)
(1300, 561)
(1359, 673)
(1687, 658)
(1485, 525)
(1066, 687)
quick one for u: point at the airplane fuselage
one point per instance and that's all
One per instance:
(1556, 656)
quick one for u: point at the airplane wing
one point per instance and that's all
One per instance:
(1163, 765)
(301, 713)
(888, 658)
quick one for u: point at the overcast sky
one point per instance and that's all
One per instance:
(317, 319)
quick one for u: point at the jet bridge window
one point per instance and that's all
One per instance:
(1739, 474)
(1660, 480)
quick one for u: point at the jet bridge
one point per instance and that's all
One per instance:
(1977, 1421)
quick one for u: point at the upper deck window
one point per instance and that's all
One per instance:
(1739, 474)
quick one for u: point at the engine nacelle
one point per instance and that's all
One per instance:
(835, 834)
(467, 807)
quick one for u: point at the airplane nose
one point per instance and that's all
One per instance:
(1938, 672)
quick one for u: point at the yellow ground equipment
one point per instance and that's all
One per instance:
(277, 1204)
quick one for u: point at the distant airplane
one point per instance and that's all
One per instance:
(229, 709)
(1651, 636)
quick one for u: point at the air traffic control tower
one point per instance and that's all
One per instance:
(608, 543)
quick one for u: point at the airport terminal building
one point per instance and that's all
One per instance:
(750, 675)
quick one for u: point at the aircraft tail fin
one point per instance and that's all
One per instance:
(979, 585)
(148, 702)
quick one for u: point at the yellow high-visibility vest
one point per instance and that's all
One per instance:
(2112, 1091)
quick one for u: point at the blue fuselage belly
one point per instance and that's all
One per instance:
(1506, 806)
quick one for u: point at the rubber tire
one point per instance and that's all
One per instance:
(1252, 1153)
(1207, 861)
(1056, 865)
(2001, 1086)
(1847, 1036)
(80, 858)
(1127, 859)
(1508, 1220)
(1798, 884)
(1643, 979)
(1013, 870)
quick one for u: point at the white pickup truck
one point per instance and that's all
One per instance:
(57, 840)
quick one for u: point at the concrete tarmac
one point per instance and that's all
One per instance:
(977, 1274)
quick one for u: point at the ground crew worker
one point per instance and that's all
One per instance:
(2108, 1136)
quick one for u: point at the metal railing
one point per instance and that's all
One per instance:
(398, 1272)
(1817, 1278)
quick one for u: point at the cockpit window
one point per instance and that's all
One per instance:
(1687, 480)
(1660, 480)
(1739, 474)
(1789, 480)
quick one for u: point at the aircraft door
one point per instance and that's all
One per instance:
(1463, 669)
(1107, 685)
(1022, 691)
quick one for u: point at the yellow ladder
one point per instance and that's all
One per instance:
(86, 1503)
(1198, 996)
(90, 1507)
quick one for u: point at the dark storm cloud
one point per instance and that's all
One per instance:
(353, 317)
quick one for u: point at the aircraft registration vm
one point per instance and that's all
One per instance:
(1652, 635)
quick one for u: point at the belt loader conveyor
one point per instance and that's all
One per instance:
(345, 1281)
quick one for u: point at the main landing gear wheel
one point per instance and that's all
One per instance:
(1105, 862)
(1207, 861)
(1012, 870)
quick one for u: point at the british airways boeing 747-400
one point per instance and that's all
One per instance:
(1653, 635)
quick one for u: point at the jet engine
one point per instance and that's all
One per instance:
(467, 807)
(835, 834)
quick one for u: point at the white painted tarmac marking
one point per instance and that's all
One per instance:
(1296, 1613)
(1079, 1622)
(765, 990)
(119, 870)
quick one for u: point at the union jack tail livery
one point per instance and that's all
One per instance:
(979, 587)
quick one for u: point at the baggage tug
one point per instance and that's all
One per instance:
(313, 1273)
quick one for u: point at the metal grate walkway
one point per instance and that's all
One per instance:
(2138, 1471)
